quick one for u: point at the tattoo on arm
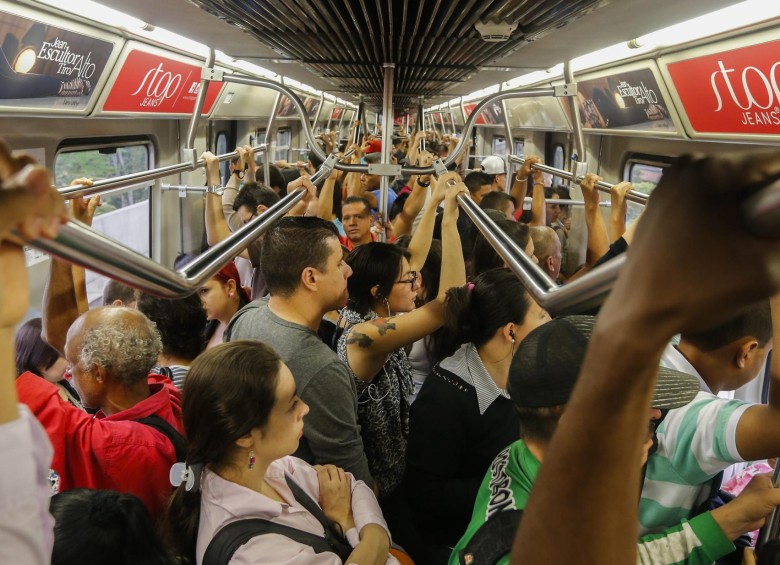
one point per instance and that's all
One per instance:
(362, 340)
(384, 325)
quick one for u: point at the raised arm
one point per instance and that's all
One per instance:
(519, 188)
(598, 241)
(538, 205)
(325, 199)
(606, 418)
(415, 201)
(617, 214)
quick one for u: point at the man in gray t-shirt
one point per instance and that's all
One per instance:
(302, 263)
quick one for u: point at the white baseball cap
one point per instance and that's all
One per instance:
(493, 165)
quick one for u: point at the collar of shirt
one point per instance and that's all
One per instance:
(674, 359)
(467, 365)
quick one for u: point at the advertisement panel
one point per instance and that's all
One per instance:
(46, 67)
(287, 109)
(150, 83)
(491, 115)
(735, 91)
(628, 100)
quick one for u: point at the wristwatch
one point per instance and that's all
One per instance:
(215, 189)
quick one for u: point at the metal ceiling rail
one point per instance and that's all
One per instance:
(578, 296)
(632, 195)
(143, 176)
(81, 245)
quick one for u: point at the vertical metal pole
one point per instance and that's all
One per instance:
(510, 144)
(341, 119)
(319, 111)
(200, 101)
(330, 117)
(579, 139)
(270, 142)
(421, 120)
(360, 117)
(387, 138)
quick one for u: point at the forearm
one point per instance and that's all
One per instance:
(216, 226)
(352, 182)
(80, 288)
(538, 206)
(453, 268)
(420, 244)
(228, 197)
(598, 241)
(774, 369)
(518, 191)
(60, 307)
(325, 199)
(617, 223)
(8, 401)
(699, 541)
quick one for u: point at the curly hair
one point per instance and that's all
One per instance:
(180, 321)
(122, 341)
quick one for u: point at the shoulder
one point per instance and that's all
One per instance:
(246, 321)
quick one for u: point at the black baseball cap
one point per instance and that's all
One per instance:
(547, 363)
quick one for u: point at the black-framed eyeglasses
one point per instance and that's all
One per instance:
(412, 280)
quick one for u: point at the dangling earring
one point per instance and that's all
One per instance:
(251, 459)
(387, 305)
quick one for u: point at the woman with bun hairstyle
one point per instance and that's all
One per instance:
(463, 416)
(222, 296)
(243, 420)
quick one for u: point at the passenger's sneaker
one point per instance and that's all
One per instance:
(75, 87)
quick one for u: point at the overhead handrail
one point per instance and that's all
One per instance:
(578, 296)
(632, 195)
(79, 244)
(562, 201)
(143, 176)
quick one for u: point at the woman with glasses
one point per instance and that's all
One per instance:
(384, 284)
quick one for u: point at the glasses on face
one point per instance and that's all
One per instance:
(246, 220)
(412, 280)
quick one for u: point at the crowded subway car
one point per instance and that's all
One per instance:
(470, 282)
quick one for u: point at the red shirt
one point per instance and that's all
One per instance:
(109, 452)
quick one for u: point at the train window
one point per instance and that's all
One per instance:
(283, 142)
(222, 147)
(498, 146)
(519, 147)
(559, 157)
(125, 213)
(644, 173)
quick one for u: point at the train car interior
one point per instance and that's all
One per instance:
(131, 94)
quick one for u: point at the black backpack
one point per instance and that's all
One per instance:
(493, 540)
(228, 539)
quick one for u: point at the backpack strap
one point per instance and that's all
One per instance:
(165, 372)
(177, 440)
(493, 540)
(333, 536)
(228, 539)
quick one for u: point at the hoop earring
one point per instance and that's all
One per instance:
(251, 459)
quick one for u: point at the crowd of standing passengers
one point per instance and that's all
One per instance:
(332, 398)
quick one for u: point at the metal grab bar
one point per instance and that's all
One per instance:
(81, 245)
(136, 178)
(581, 295)
(561, 201)
(632, 195)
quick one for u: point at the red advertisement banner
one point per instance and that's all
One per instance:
(734, 91)
(150, 83)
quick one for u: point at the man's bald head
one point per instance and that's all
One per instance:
(547, 248)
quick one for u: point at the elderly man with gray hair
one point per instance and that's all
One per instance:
(135, 436)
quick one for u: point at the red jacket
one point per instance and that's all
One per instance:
(109, 452)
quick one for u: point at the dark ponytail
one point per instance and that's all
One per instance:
(229, 391)
(474, 313)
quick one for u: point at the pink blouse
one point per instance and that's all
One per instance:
(224, 502)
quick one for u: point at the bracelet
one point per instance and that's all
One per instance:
(521, 180)
(538, 184)
(424, 184)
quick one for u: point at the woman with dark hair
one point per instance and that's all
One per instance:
(382, 285)
(486, 258)
(222, 296)
(463, 417)
(93, 527)
(243, 420)
(38, 357)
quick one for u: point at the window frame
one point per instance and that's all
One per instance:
(288, 147)
(555, 147)
(96, 144)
